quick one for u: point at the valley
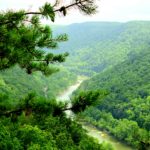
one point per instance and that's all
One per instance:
(100, 135)
(108, 69)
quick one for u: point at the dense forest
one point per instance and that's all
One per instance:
(125, 111)
(116, 97)
(30, 116)
(102, 45)
(15, 84)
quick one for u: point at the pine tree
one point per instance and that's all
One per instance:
(23, 37)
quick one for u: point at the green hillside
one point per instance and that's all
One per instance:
(95, 46)
(15, 84)
(125, 111)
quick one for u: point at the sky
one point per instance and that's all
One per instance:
(108, 10)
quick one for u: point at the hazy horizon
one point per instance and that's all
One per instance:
(103, 22)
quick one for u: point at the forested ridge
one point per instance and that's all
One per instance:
(96, 46)
(125, 111)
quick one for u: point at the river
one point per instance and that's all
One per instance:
(100, 135)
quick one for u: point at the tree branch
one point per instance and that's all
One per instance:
(57, 10)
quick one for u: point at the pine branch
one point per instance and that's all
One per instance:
(58, 10)
(61, 9)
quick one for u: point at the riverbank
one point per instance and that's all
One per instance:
(99, 135)
(65, 95)
(103, 136)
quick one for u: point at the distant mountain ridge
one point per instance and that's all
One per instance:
(96, 46)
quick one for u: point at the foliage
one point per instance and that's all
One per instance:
(16, 84)
(102, 45)
(86, 99)
(37, 127)
(123, 129)
(23, 37)
(25, 42)
(125, 110)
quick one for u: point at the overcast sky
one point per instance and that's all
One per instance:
(109, 10)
